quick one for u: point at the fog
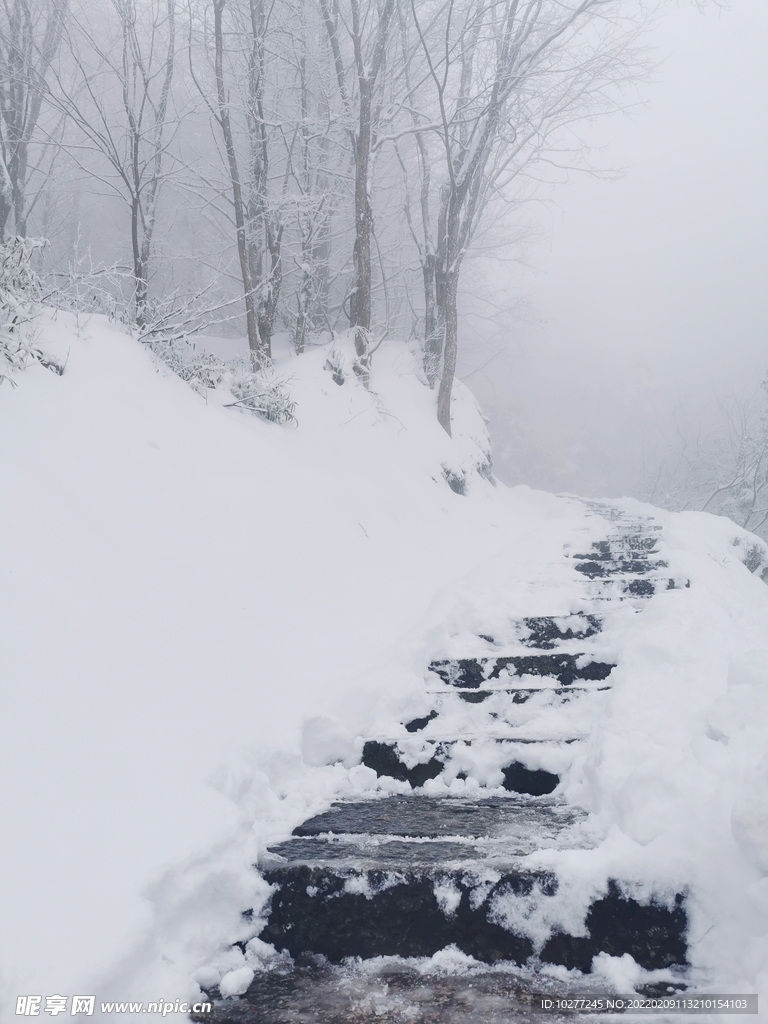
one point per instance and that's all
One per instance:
(646, 296)
(249, 172)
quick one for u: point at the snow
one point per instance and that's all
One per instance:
(234, 983)
(205, 614)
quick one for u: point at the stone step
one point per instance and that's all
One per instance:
(499, 763)
(525, 824)
(503, 712)
(617, 567)
(471, 673)
(401, 853)
(313, 991)
(640, 545)
(392, 853)
(395, 908)
(615, 590)
(367, 912)
(375, 877)
(546, 632)
(413, 875)
(516, 694)
(630, 553)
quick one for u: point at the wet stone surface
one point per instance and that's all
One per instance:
(315, 992)
(397, 853)
(524, 823)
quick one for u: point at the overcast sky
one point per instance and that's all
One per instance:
(649, 291)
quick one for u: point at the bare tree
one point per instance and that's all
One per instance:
(120, 105)
(367, 28)
(721, 468)
(30, 36)
(257, 210)
(316, 198)
(225, 124)
(489, 85)
(266, 224)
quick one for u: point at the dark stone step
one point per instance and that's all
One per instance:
(471, 673)
(641, 542)
(647, 588)
(547, 631)
(637, 547)
(526, 824)
(317, 910)
(312, 991)
(385, 760)
(521, 695)
(562, 667)
(653, 934)
(613, 588)
(417, 724)
(533, 782)
(466, 672)
(594, 569)
(368, 913)
(478, 696)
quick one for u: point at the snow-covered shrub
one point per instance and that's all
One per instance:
(268, 398)
(84, 289)
(19, 302)
(166, 332)
(334, 364)
(19, 284)
(202, 371)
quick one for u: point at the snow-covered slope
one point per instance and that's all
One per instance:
(200, 609)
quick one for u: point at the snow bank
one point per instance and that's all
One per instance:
(205, 613)
(182, 585)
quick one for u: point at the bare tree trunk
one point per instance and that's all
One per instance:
(448, 264)
(304, 292)
(25, 60)
(314, 215)
(360, 302)
(267, 307)
(139, 267)
(450, 349)
(6, 197)
(234, 177)
(265, 234)
(149, 214)
(368, 67)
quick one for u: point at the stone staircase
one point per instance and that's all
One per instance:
(406, 875)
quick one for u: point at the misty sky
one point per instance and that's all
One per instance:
(649, 291)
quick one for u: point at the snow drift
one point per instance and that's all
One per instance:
(204, 613)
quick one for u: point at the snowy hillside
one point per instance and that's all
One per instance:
(205, 614)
